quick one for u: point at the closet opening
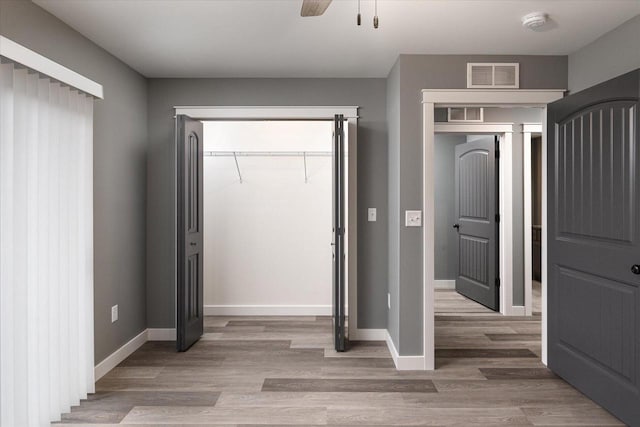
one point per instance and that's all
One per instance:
(266, 226)
(268, 218)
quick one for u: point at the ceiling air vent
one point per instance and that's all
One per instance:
(465, 114)
(493, 75)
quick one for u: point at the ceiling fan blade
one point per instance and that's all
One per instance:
(314, 7)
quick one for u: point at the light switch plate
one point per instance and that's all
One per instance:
(372, 214)
(114, 313)
(413, 218)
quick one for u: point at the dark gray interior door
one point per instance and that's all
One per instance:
(475, 221)
(594, 243)
(339, 326)
(190, 304)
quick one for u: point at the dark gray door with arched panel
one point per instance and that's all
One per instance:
(475, 221)
(189, 298)
(594, 243)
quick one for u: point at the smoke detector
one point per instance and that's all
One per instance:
(534, 20)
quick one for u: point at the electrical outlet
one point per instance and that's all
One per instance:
(413, 218)
(114, 313)
(389, 300)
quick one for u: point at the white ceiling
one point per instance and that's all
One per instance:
(268, 38)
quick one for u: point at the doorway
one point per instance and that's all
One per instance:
(242, 221)
(467, 216)
(466, 325)
(267, 218)
(462, 97)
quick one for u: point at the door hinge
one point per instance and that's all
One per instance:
(497, 217)
(498, 282)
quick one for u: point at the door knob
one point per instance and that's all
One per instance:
(192, 243)
(635, 269)
(456, 226)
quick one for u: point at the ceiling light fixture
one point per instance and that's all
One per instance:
(359, 20)
(534, 20)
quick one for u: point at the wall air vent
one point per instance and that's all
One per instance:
(493, 75)
(465, 114)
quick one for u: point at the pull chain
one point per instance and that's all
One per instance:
(375, 14)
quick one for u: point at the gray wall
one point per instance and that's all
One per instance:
(393, 165)
(446, 237)
(369, 94)
(611, 55)
(120, 141)
(389, 176)
(434, 72)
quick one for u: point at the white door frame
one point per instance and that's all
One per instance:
(350, 113)
(469, 97)
(527, 130)
(505, 209)
(506, 238)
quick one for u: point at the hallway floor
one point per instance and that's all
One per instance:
(282, 371)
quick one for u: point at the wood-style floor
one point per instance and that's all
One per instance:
(283, 371)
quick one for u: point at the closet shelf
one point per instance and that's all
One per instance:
(236, 154)
(267, 153)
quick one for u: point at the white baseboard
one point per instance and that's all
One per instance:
(368, 334)
(119, 355)
(445, 284)
(516, 310)
(114, 359)
(267, 310)
(160, 334)
(404, 363)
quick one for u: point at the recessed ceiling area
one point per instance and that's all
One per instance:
(269, 38)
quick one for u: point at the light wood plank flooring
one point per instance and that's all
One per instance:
(283, 371)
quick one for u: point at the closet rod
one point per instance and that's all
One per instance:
(268, 153)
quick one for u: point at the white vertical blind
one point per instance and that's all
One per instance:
(46, 247)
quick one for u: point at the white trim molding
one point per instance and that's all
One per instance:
(445, 284)
(527, 130)
(468, 97)
(368, 335)
(473, 128)
(352, 223)
(505, 226)
(115, 358)
(491, 97)
(532, 128)
(264, 113)
(30, 59)
(267, 310)
(518, 310)
(404, 363)
(350, 113)
(169, 334)
(428, 236)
